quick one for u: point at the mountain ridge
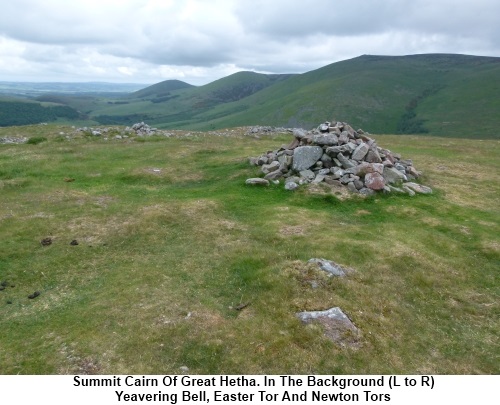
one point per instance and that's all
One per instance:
(437, 94)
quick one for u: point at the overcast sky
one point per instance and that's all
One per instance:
(198, 41)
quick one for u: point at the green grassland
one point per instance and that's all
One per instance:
(171, 240)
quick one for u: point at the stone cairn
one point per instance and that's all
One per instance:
(338, 155)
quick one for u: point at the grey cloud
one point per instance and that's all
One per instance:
(345, 18)
(98, 37)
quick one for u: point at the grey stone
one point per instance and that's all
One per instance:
(400, 167)
(257, 181)
(343, 138)
(274, 175)
(318, 179)
(306, 156)
(351, 187)
(325, 139)
(271, 167)
(366, 191)
(337, 325)
(345, 162)
(373, 156)
(324, 127)
(360, 152)
(307, 174)
(337, 162)
(282, 158)
(418, 188)
(395, 189)
(358, 184)
(413, 172)
(253, 161)
(409, 191)
(292, 179)
(347, 178)
(283, 167)
(291, 185)
(392, 175)
(299, 133)
(325, 158)
(330, 267)
(335, 150)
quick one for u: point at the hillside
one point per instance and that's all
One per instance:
(160, 89)
(435, 94)
(163, 104)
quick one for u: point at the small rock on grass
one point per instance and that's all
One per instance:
(418, 188)
(337, 325)
(46, 241)
(257, 181)
(330, 267)
(34, 295)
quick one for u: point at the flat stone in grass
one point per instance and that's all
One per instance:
(418, 188)
(332, 268)
(257, 181)
(337, 326)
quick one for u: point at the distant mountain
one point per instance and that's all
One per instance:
(160, 89)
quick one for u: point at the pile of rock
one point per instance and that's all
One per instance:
(92, 131)
(338, 155)
(141, 129)
(266, 130)
(13, 140)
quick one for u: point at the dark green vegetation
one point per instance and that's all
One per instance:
(22, 113)
(31, 103)
(171, 240)
(436, 94)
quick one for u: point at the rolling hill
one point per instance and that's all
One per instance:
(436, 94)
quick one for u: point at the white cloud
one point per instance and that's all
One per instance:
(200, 40)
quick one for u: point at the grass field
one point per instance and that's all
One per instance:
(171, 240)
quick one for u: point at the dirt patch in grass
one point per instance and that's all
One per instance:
(342, 193)
(306, 274)
(292, 230)
(91, 230)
